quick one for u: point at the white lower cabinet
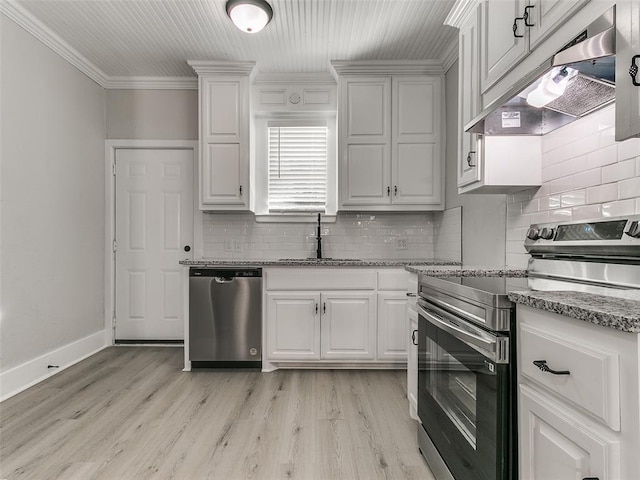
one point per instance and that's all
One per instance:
(318, 316)
(392, 326)
(348, 326)
(579, 415)
(412, 363)
(294, 326)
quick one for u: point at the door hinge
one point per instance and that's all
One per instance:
(114, 246)
(113, 322)
(113, 169)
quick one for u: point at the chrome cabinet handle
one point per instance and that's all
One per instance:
(526, 16)
(542, 365)
(633, 70)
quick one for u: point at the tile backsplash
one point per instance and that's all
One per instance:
(586, 175)
(353, 235)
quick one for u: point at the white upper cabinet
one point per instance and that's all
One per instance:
(512, 28)
(390, 139)
(627, 85)
(469, 158)
(224, 106)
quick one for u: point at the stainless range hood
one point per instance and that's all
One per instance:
(586, 65)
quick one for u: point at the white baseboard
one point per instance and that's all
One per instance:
(23, 376)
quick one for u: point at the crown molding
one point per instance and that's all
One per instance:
(450, 55)
(459, 13)
(382, 67)
(221, 67)
(152, 83)
(48, 37)
(293, 78)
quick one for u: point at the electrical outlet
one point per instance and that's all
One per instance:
(228, 245)
(401, 243)
(237, 245)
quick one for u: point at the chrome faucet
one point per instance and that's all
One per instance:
(319, 240)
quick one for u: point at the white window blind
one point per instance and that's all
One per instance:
(297, 168)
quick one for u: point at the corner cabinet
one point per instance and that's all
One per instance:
(581, 418)
(627, 55)
(390, 138)
(224, 119)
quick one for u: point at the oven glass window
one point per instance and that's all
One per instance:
(453, 387)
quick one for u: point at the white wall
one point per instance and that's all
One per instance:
(483, 216)
(152, 114)
(586, 175)
(52, 210)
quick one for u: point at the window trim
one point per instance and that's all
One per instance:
(259, 154)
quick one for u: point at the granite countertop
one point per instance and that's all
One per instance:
(466, 272)
(619, 312)
(326, 262)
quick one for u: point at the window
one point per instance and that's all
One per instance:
(297, 168)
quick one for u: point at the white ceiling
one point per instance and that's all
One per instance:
(155, 38)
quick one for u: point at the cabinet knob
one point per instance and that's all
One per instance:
(633, 70)
(187, 248)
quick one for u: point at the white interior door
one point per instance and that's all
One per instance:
(154, 225)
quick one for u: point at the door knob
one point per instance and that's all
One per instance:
(187, 248)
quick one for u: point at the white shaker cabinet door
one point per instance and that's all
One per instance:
(545, 16)
(469, 158)
(416, 132)
(293, 326)
(392, 326)
(501, 47)
(348, 325)
(627, 55)
(224, 137)
(554, 443)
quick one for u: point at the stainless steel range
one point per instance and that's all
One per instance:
(466, 349)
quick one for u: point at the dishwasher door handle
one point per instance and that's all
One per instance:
(224, 279)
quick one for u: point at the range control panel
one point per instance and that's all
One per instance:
(575, 238)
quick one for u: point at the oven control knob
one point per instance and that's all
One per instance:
(533, 234)
(546, 233)
(634, 229)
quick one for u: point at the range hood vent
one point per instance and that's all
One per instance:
(590, 59)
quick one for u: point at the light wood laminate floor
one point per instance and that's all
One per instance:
(131, 413)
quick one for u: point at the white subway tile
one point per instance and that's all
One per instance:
(629, 149)
(619, 171)
(561, 215)
(585, 145)
(619, 208)
(571, 199)
(531, 206)
(517, 261)
(629, 188)
(586, 212)
(573, 165)
(603, 156)
(551, 141)
(550, 202)
(602, 193)
(551, 172)
(607, 137)
(559, 154)
(588, 178)
(560, 185)
(638, 206)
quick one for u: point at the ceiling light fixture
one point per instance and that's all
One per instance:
(250, 16)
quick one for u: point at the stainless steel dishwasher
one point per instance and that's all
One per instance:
(225, 317)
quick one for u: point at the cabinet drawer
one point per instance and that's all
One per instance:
(594, 379)
(393, 279)
(320, 278)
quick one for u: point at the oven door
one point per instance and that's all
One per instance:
(464, 394)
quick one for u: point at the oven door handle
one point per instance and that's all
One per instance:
(463, 335)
